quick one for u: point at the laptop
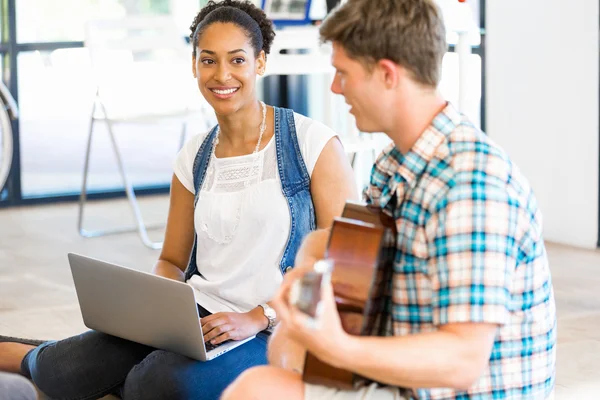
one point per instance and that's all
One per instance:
(142, 307)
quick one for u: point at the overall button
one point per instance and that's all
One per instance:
(288, 269)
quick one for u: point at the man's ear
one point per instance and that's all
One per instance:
(194, 66)
(391, 73)
(261, 63)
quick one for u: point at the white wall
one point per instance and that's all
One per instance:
(542, 106)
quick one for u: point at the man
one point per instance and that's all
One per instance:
(472, 312)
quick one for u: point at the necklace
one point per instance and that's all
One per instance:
(204, 226)
(263, 126)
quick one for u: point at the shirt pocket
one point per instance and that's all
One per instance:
(411, 244)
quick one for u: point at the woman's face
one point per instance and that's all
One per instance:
(225, 67)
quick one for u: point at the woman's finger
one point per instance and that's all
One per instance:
(219, 330)
(211, 317)
(222, 337)
(212, 329)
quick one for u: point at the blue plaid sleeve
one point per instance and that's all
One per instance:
(473, 254)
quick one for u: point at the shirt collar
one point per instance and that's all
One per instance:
(403, 170)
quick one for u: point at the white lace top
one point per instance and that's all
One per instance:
(242, 220)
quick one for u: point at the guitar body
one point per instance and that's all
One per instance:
(355, 246)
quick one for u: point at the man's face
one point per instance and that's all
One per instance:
(362, 89)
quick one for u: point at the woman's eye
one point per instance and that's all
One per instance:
(238, 60)
(207, 61)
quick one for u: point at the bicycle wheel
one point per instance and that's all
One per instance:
(6, 145)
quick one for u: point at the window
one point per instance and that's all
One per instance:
(56, 97)
(52, 80)
(46, 20)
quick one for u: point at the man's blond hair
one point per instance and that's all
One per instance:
(410, 33)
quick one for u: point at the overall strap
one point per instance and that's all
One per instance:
(199, 173)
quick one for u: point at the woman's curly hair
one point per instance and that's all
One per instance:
(244, 14)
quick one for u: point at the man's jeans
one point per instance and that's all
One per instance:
(94, 364)
(15, 387)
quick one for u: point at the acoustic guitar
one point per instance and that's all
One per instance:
(361, 246)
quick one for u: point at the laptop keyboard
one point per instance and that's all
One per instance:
(210, 346)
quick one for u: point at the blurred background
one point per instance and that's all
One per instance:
(47, 67)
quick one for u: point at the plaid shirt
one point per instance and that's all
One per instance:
(469, 248)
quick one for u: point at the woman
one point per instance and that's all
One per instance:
(242, 198)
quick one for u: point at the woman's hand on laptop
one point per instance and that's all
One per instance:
(223, 326)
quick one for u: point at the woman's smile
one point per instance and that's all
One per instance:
(223, 92)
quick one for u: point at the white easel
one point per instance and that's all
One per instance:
(464, 29)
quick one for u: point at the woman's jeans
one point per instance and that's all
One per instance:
(94, 364)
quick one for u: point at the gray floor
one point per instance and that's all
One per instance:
(37, 298)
